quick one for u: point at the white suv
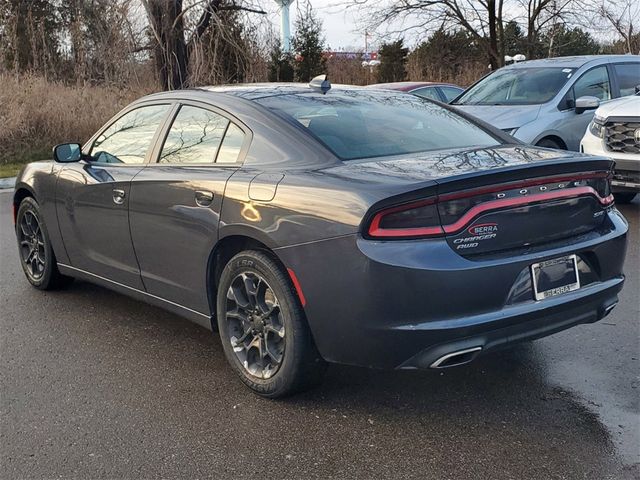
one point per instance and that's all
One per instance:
(615, 132)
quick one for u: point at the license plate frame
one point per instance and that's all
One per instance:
(563, 266)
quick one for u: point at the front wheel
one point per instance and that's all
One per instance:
(36, 255)
(263, 329)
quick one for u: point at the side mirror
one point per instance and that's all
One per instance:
(637, 89)
(586, 103)
(67, 152)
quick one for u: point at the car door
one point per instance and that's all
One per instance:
(176, 201)
(93, 195)
(594, 83)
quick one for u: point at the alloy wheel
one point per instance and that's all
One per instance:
(256, 328)
(31, 242)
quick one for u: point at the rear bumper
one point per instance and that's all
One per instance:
(404, 304)
(588, 305)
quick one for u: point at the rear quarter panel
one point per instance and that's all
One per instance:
(308, 206)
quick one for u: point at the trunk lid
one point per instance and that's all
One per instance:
(525, 205)
(497, 199)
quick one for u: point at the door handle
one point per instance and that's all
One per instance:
(118, 196)
(204, 198)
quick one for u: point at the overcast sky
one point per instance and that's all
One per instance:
(339, 25)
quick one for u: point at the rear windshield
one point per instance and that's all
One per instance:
(355, 124)
(517, 86)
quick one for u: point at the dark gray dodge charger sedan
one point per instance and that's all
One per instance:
(309, 225)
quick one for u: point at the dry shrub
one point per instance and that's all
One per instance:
(349, 71)
(36, 114)
(462, 75)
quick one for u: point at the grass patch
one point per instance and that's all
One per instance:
(10, 169)
(13, 162)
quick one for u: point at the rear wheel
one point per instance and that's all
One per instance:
(36, 255)
(624, 197)
(262, 326)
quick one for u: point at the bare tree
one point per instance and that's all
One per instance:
(483, 19)
(177, 30)
(544, 15)
(624, 17)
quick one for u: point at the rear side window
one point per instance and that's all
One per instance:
(427, 92)
(128, 139)
(450, 93)
(357, 124)
(594, 83)
(231, 145)
(628, 77)
(194, 137)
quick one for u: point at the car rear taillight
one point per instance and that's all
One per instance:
(410, 220)
(449, 213)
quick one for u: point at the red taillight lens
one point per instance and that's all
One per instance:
(411, 220)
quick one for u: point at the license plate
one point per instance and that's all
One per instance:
(555, 277)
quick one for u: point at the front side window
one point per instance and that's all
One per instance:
(594, 83)
(357, 124)
(628, 77)
(194, 137)
(129, 138)
(517, 86)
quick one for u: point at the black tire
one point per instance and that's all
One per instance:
(299, 366)
(34, 247)
(549, 143)
(623, 198)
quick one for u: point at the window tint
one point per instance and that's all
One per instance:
(517, 86)
(231, 145)
(594, 83)
(450, 92)
(427, 92)
(128, 139)
(194, 137)
(354, 124)
(628, 77)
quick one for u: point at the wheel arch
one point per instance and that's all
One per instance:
(555, 138)
(23, 191)
(225, 249)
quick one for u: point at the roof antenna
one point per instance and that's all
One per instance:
(320, 83)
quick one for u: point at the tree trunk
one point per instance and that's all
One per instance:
(493, 36)
(170, 50)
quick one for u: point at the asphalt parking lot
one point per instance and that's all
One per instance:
(95, 385)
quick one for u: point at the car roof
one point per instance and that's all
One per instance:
(408, 86)
(573, 62)
(252, 91)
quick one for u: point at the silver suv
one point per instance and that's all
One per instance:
(550, 102)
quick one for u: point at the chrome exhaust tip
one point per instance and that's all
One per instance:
(608, 309)
(456, 358)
